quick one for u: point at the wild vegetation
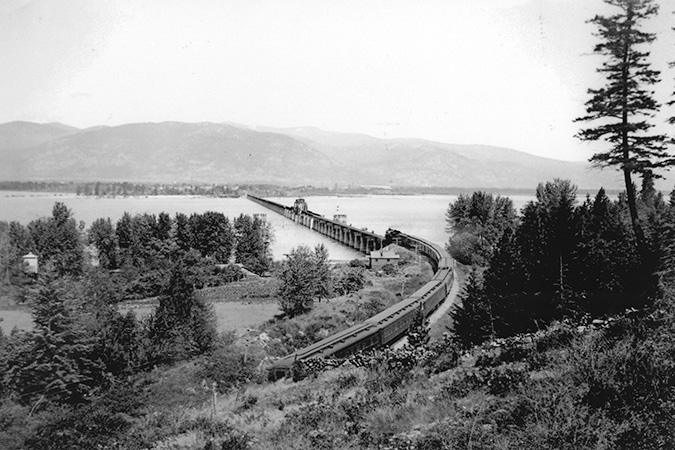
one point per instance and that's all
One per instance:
(564, 260)
(86, 368)
(592, 374)
(562, 338)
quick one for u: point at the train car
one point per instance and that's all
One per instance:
(356, 337)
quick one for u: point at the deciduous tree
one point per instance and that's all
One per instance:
(57, 241)
(476, 224)
(306, 275)
(102, 236)
(253, 241)
(212, 235)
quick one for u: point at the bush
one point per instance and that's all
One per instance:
(97, 425)
(389, 269)
(367, 309)
(504, 379)
(463, 247)
(359, 263)
(558, 335)
(631, 381)
(230, 366)
(447, 356)
(349, 280)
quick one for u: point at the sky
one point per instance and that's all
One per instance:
(509, 73)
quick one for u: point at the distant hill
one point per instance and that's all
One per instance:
(173, 151)
(427, 163)
(18, 135)
(233, 153)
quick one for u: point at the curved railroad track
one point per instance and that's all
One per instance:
(386, 327)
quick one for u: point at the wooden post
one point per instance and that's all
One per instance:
(213, 413)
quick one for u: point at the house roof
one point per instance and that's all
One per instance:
(379, 254)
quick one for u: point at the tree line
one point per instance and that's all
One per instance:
(81, 345)
(139, 250)
(558, 259)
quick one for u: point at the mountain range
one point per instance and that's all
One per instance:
(231, 153)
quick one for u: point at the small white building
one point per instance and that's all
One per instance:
(379, 258)
(32, 261)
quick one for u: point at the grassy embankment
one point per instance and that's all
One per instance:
(172, 407)
(566, 387)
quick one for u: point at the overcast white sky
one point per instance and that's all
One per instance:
(512, 73)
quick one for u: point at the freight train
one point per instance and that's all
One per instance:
(389, 325)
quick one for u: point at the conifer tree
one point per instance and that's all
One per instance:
(472, 320)
(125, 238)
(183, 325)
(604, 275)
(323, 277)
(546, 235)
(181, 232)
(57, 360)
(514, 305)
(623, 106)
(418, 336)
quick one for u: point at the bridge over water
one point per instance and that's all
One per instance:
(356, 238)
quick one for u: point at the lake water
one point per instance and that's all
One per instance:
(423, 215)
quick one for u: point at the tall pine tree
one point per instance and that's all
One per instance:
(622, 107)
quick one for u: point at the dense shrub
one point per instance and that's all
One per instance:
(359, 263)
(229, 366)
(389, 269)
(101, 424)
(631, 380)
(365, 309)
(348, 280)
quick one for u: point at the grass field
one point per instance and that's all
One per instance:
(231, 316)
(15, 318)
